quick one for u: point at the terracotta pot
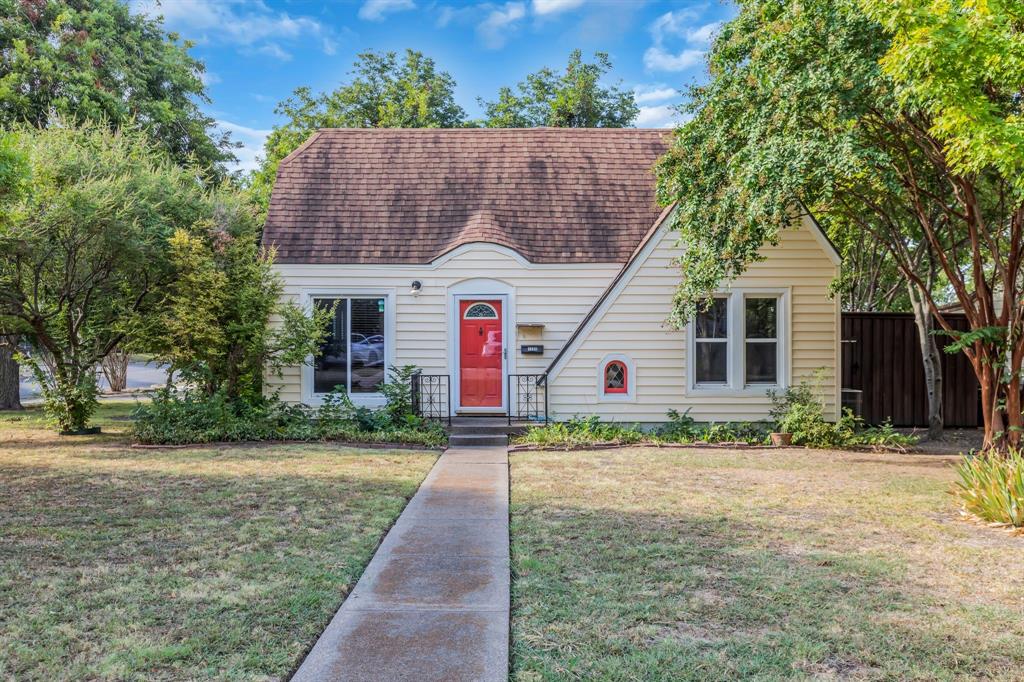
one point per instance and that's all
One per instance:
(782, 438)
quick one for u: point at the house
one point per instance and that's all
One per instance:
(531, 271)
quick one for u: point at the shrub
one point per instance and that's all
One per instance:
(178, 418)
(68, 405)
(751, 433)
(991, 487)
(681, 428)
(797, 411)
(582, 431)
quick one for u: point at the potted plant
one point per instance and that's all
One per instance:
(781, 438)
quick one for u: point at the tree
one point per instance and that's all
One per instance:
(95, 60)
(13, 183)
(959, 66)
(385, 92)
(86, 249)
(800, 108)
(574, 98)
(215, 330)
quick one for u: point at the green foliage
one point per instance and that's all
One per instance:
(397, 393)
(991, 487)
(574, 98)
(97, 61)
(385, 92)
(777, 123)
(961, 61)
(681, 427)
(796, 410)
(965, 340)
(215, 329)
(580, 431)
(85, 244)
(176, 417)
(67, 406)
(584, 431)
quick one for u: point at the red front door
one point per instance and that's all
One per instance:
(480, 353)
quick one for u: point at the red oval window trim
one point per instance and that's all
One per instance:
(625, 378)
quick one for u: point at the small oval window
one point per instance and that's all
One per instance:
(479, 310)
(615, 377)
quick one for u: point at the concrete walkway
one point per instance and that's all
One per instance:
(433, 604)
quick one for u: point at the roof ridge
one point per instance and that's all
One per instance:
(663, 131)
(301, 148)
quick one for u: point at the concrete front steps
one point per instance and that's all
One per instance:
(481, 431)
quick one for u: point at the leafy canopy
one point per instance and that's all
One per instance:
(215, 328)
(385, 92)
(962, 62)
(97, 61)
(85, 246)
(899, 123)
(775, 124)
(574, 98)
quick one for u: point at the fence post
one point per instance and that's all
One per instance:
(414, 387)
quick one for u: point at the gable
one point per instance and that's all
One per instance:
(653, 262)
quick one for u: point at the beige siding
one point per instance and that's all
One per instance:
(557, 296)
(560, 296)
(633, 324)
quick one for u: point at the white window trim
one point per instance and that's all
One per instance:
(307, 296)
(736, 346)
(630, 395)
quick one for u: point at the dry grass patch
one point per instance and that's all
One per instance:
(218, 563)
(643, 564)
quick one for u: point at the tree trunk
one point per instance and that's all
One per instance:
(995, 435)
(10, 379)
(115, 369)
(931, 359)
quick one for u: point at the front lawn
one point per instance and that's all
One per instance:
(642, 564)
(203, 563)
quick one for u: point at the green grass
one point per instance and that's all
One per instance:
(205, 563)
(642, 564)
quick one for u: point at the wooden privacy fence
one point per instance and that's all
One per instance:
(882, 359)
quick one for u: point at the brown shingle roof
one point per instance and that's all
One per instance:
(411, 195)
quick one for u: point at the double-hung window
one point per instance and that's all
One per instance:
(761, 340)
(354, 354)
(738, 342)
(711, 335)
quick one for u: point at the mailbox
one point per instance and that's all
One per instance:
(531, 349)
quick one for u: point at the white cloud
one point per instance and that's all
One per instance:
(252, 140)
(494, 30)
(375, 10)
(678, 26)
(248, 24)
(276, 51)
(209, 78)
(661, 116)
(658, 59)
(542, 7)
(647, 94)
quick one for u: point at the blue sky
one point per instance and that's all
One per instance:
(258, 51)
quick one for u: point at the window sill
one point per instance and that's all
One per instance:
(616, 398)
(726, 391)
(358, 399)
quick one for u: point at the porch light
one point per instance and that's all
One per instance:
(416, 286)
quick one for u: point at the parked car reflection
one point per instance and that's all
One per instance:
(368, 351)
